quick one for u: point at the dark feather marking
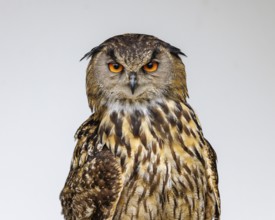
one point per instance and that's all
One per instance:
(162, 200)
(154, 54)
(180, 215)
(129, 198)
(212, 151)
(189, 182)
(194, 117)
(120, 213)
(200, 158)
(153, 187)
(89, 140)
(193, 204)
(175, 206)
(179, 107)
(142, 197)
(153, 133)
(158, 159)
(193, 133)
(160, 141)
(135, 122)
(144, 159)
(178, 113)
(186, 130)
(188, 151)
(164, 107)
(117, 122)
(175, 159)
(122, 163)
(139, 151)
(143, 140)
(158, 128)
(186, 116)
(179, 126)
(175, 191)
(122, 142)
(154, 147)
(156, 116)
(136, 160)
(131, 185)
(134, 175)
(187, 169)
(168, 198)
(166, 129)
(159, 123)
(152, 175)
(201, 138)
(148, 158)
(128, 148)
(165, 180)
(100, 132)
(189, 210)
(183, 188)
(217, 213)
(107, 130)
(116, 149)
(171, 120)
(111, 54)
(184, 146)
(196, 179)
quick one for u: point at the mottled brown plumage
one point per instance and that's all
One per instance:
(142, 153)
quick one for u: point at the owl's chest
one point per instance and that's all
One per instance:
(159, 186)
(162, 176)
(160, 181)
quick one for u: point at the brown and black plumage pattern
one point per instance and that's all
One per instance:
(142, 159)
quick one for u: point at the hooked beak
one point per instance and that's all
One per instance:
(133, 81)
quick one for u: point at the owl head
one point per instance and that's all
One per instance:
(134, 69)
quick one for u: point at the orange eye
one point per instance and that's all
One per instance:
(150, 67)
(115, 67)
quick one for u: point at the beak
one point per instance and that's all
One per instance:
(133, 81)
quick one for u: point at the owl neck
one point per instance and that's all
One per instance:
(135, 116)
(130, 107)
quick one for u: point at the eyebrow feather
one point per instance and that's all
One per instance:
(111, 53)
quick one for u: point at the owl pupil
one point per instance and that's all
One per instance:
(116, 66)
(150, 65)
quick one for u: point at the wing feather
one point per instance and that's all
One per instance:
(210, 157)
(94, 184)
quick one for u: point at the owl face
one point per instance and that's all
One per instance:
(133, 68)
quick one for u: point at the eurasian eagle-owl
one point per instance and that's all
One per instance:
(142, 153)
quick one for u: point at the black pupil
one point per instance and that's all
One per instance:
(150, 65)
(116, 66)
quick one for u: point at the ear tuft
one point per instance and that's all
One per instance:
(91, 53)
(175, 50)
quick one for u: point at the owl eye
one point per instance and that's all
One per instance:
(150, 67)
(115, 67)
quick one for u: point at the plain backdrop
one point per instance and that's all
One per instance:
(230, 71)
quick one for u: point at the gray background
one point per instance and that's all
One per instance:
(230, 67)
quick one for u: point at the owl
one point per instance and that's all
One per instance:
(141, 154)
